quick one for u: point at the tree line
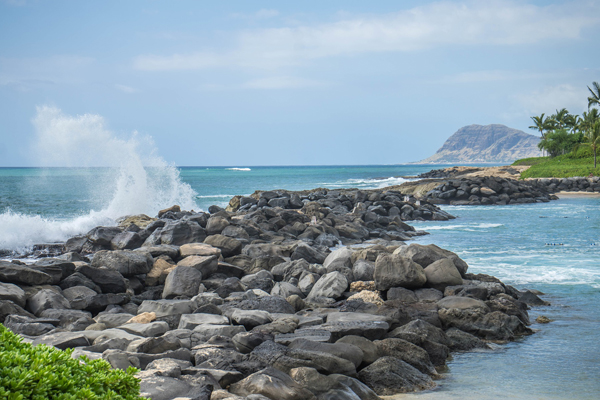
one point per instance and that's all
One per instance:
(563, 132)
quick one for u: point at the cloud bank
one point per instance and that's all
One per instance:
(499, 23)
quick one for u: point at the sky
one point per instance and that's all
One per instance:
(242, 83)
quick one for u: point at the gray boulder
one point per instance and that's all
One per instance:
(206, 264)
(331, 285)
(442, 273)
(45, 299)
(20, 274)
(338, 258)
(11, 292)
(390, 375)
(229, 246)
(308, 253)
(272, 384)
(393, 270)
(180, 232)
(426, 255)
(408, 352)
(182, 281)
(363, 270)
(126, 262)
(107, 279)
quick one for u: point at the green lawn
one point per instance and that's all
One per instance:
(580, 163)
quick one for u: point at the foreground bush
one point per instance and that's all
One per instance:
(43, 372)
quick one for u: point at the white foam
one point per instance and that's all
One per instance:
(216, 196)
(143, 183)
(370, 183)
(466, 227)
(238, 169)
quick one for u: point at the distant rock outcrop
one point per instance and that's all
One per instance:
(489, 143)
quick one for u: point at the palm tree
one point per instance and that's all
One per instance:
(561, 118)
(572, 122)
(593, 139)
(542, 124)
(588, 119)
(594, 99)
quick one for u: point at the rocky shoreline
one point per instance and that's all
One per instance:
(251, 302)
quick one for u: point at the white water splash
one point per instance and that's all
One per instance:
(142, 182)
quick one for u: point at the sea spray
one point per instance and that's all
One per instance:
(134, 179)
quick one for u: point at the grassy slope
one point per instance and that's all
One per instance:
(580, 163)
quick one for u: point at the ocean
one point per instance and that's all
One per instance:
(552, 247)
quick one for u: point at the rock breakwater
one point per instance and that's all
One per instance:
(286, 297)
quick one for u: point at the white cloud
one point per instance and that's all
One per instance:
(280, 82)
(125, 89)
(551, 98)
(500, 22)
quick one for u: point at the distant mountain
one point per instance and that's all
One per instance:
(490, 143)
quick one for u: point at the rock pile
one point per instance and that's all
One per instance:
(369, 205)
(574, 184)
(489, 190)
(255, 305)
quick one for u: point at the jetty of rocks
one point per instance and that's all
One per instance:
(284, 296)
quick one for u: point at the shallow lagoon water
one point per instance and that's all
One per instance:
(515, 243)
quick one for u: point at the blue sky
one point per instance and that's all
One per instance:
(285, 83)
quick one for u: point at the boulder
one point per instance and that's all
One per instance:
(308, 253)
(11, 292)
(424, 255)
(20, 274)
(394, 270)
(167, 307)
(338, 258)
(107, 279)
(79, 296)
(272, 384)
(216, 224)
(331, 285)
(229, 246)
(363, 270)
(182, 281)
(126, 262)
(408, 352)
(207, 265)
(190, 321)
(389, 376)
(442, 273)
(347, 351)
(45, 299)
(180, 232)
(369, 349)
(198, 249)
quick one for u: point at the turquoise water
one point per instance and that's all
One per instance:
(561, 361)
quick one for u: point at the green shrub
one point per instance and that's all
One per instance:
(44, 372)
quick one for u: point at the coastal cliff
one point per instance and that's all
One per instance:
(486, 143)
